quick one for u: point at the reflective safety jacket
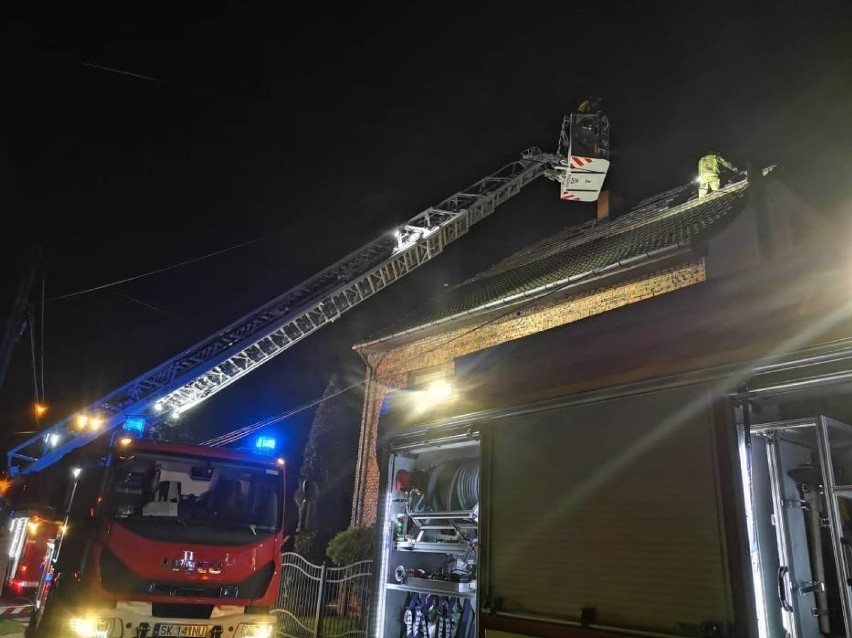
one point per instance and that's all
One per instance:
(712, 164)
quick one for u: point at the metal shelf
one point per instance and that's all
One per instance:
(433, 547)
(431, 590)
(456, 522)
(455, 515)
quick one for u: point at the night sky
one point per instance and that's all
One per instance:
(312, 129)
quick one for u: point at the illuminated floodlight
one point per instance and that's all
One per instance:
(135, 424)
(95, 423)
(435, 393)
(75, 471)
(125, 440)
(82, 420)
(40, 408)
(159, 406)
(52, 439)
(439, 391)
(280, 461)
(265, 443)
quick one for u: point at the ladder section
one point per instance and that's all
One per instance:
(225, 357)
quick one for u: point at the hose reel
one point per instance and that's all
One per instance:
(450, 485)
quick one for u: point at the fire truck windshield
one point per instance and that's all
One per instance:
(174, 497)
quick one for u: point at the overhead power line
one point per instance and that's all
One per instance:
(236, 435)
(110, 69)
(168, 313)
(175, 84)
(158, 270)
(41, 344)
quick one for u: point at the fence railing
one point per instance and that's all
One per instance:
(318, 601)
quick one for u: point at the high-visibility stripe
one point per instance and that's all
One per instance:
(577, 162)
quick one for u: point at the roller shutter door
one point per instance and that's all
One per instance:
(614, 506)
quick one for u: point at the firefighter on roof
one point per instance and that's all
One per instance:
(710, 172)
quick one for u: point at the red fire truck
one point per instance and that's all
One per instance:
(165, 539)
(28, 533)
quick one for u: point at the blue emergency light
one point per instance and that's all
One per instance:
(265, 444)
(134, 424)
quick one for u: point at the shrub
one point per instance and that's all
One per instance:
(352, 545)
(311, 545)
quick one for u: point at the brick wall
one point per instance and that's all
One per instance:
(392, 364)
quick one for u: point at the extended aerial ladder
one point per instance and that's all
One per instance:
(210, 366)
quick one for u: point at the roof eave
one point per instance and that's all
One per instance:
(563, 286)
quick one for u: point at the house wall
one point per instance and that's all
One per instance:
(391, 364)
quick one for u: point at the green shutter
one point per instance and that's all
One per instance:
(613, 506)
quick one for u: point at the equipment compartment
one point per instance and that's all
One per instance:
(431, 536)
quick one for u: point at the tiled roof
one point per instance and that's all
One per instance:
(672, 218)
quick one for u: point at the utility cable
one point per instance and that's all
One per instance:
(243, 432)
(110, 69)
(33, 358)
(41, 348)
(161, 270)
(168, 313)
(174, 84)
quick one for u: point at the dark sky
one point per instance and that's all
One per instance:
(317, 127)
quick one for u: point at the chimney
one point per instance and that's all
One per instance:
(603, 206)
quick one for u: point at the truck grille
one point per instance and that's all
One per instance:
(117, 578)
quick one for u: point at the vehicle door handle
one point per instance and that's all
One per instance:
(782, 589)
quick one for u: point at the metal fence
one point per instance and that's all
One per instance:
(317, 601)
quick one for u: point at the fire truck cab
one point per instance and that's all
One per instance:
(166, 540)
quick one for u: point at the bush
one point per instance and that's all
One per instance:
(352, 545)
(310, 545)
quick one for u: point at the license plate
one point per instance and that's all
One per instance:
(194, 631)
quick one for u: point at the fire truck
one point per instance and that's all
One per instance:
(164, 539)
(29, 532)
(142, 550)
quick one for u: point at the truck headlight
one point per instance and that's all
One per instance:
(88, 627)
(256, 630)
